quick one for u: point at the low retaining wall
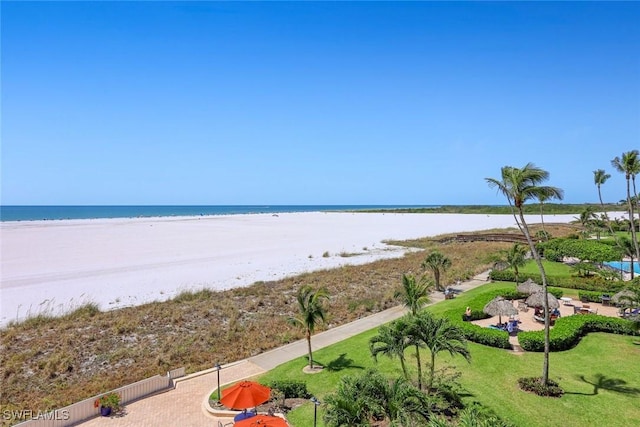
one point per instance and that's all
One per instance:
(84, 410)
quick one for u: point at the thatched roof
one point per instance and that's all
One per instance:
(622, 296)
(537, 300)
(529, 287)
(500, 307)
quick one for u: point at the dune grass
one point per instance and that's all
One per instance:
(599, 376)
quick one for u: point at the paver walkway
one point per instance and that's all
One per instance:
(184, 406)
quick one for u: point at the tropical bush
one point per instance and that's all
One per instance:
(370, 396)
(485, 336)
(535, 385)
(593, 283)
(291, 389)
(590, 296)
(568, 331)
(587, 250)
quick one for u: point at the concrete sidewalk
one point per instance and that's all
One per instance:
(186, 404)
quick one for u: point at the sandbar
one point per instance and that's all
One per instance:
(51, 267)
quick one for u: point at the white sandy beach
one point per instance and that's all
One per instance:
(54, 266)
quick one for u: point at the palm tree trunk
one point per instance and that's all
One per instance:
(433, 369)
(404, 368)
(634, 237)
(536, 257)
(542, 221)
(309, 349)
(419, 367)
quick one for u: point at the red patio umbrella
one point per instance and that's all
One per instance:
(245, 394)
(262, 421)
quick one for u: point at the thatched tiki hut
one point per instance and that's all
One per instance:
(500, 307)
(537, 300)
(529, 287)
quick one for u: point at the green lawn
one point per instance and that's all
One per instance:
(600, 377)
(551, 269)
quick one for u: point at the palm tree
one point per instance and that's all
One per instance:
(519, 186)
(415, 295)
(599, 178)
(437, 263)
(392, 340)
(626, 246)
(629, 165)
(439, 334)
(345, 411)
(360, 398)
(542, 198)
(586, 219)
(514, 257)
(401, 403)
(311, 311)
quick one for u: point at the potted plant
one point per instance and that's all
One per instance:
(107, 403)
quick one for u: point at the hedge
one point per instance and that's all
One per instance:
(590, 296)
(291, 389)
(595, 283)
(583, 249)
(567, 331)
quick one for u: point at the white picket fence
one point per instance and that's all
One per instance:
(84, 410)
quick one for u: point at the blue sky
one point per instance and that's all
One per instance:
(313, 102)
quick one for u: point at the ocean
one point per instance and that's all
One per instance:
(36, 213)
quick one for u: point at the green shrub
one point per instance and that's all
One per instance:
(535, 385)
(583, 249)
(590, 296)
(291, 389)
(568, 331)
(485, 336)
(553, 255)
(593, 283)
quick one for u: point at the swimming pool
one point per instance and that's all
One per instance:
(624, 265)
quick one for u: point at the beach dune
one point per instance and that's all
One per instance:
(52, 267)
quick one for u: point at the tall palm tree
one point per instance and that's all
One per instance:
(520, 185)
(438, 263)
(542, 198)
(392, 340)
(599, 178)
(439, 334)
(629, 165)
(415, 295)
(311, 312)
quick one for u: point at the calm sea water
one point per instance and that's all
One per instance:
(32, 213)
(624, 265)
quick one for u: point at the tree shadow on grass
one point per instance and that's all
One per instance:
(602, 382)
(341, 362)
